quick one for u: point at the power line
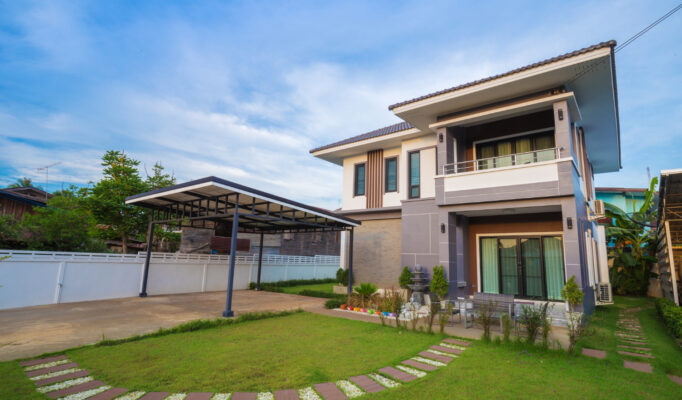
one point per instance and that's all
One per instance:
(648, 28)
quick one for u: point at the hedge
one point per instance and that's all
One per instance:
(333, 303)
(671, 315)
(289, 283)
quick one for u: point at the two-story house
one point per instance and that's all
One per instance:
(492, 179)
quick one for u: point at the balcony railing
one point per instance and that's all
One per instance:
(530, 157)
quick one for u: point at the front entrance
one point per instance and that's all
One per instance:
(525, 266)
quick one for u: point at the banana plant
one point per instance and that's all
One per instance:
(635, 244)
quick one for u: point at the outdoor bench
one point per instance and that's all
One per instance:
(498, 304)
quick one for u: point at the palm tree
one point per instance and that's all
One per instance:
(23, 182)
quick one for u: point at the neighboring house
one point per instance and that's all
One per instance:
(492, 179)
(19, 201)
(627, 199)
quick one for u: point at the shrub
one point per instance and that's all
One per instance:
(533, 319)
(439, 284)
(394, 303)
(485, 318)
(506, 327)
(289, 283)
(575, 321)
(342, 277)
(365, 291)
(671, 315)
(405, 278)
(443, 317)
(333, 303)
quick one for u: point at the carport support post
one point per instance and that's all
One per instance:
(145, 274)
(230, 277)
(260, 261)
(350, 265)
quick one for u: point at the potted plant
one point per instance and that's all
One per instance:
(343, 306)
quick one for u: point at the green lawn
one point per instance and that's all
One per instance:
(302, 349)
(668, 355)
(276, 353)
(322, 287)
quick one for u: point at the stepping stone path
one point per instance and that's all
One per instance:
(631, 334)
(601, 354)
(60, 378)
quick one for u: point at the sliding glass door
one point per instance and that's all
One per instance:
(531, 267)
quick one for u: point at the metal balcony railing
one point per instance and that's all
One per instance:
(530, 157)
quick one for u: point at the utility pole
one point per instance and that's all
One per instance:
(47, 176)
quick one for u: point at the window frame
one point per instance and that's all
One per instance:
(355, 179)
(521, 272)
(409, 175)
(386, 161)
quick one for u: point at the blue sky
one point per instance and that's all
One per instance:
(242, 90)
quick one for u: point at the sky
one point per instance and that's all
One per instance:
(243, 90)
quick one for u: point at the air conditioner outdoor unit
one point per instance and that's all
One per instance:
(604, 293)
(599, 208)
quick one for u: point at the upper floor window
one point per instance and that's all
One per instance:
(359, 184)
(391, 177)
(413, 178)
(517, 150)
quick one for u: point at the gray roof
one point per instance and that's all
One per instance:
(610, 43)
(387, 130)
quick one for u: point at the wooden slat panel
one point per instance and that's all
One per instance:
(375, 173)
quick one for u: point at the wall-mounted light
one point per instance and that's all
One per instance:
(569, 223)
(442, 228)
(561, 114)
(440, 137)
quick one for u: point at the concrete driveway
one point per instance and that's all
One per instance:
(30, 331)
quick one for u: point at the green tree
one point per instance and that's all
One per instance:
(158, 179)
(23, 182)
(64, 225)
(635, 245)
(106, 199)
(439, 284)
(9, 231)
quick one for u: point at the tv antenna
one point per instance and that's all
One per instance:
(47, 175)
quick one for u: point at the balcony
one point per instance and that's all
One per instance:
(510, 160)
(509, 177)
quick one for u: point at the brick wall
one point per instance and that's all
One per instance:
(376, 255)
(310, 244)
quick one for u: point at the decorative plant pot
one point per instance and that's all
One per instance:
(392, 315)
(356, 309)
(364, 310)
(343, 306)
(370, 311)
(386, 313)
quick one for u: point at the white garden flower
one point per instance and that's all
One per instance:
(131, 396)
(46, 365)
(265, 396)
(221, 396)
(412, 371)
(65, 384)
(53, 374)
(349, 389)
(427, 361)
(389, 383)
(177, 396)
(308, 394)
(85, 394)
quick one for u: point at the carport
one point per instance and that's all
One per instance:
(210, 201)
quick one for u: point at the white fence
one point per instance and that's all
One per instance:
(29, 278)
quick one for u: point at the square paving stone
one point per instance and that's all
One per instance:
(420, 365)
(329, 391)
(627, 353)
(397, 374)
(244, 396)
(65, 377)
(198, 396)
(623, 346)
(638, 366)
(109, 394)
(75, 389)
(675, 379)
(289, 394)
(367, 384)
(30, 363)
(457, 342)
(601, 354)
(434, 356)
(155, 396)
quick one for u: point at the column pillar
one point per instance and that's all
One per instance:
(230, 277)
